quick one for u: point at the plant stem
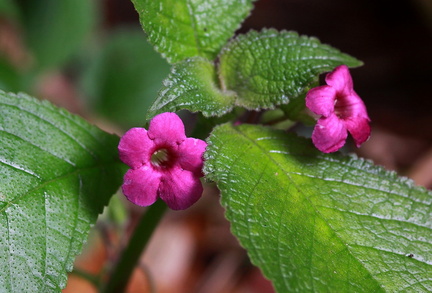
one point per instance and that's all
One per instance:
(123, 270)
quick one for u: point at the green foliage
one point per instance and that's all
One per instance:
(54, 29)
(270, 68)
(181, 29)
(259, 70)
(193, 85)
(310, 221)
(57, 173)
(322, 223)
(123, 80)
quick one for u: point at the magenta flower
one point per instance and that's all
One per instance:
(341, 110)
(164, 163)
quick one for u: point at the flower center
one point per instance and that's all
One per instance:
(342, 108)
(160, 158)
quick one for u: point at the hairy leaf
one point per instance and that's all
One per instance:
(182, 29)
(270, 68)
(259, 70)
(322, 223)
(193, 85)
(57, 173)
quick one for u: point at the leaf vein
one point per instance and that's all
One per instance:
(300, 191)
(376, 216)
(194, 26)
(39, 147)
(43, 184)
(19, 168)
(75, 140)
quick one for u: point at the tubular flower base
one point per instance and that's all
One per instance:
(341, 110)
(164, 163)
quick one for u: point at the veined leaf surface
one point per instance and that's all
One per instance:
(322, 223)
(57, 172)
(259, 70)
(183, 29)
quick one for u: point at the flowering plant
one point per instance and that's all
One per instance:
(164, 163)
(260, 128)
(342, 110)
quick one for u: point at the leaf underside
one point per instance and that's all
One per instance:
(323, 223)
(57, 172)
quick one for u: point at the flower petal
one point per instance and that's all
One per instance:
(180, 189)
(329, 134)
(321, 100)
(359, 128)
(340, 79)
(190, 155)
(135, 147)
(140, 186)
(167, 129)
(354, 106)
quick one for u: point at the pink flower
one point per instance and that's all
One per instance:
(164, 163)
(341, 110)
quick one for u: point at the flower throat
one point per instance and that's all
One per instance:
(160, 158)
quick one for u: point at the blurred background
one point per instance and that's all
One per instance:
(92, 58)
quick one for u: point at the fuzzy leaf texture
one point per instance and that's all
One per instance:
(193, 85)
(57, 172)
(180, 29)
(257, 70)
(321, 223)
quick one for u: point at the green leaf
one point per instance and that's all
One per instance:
(182, 29)
(193, 85)
(123, 80)
(321, 223)
(259, 70)
(57, 173)
(270, 68)
(54, 30)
